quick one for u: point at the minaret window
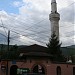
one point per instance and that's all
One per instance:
(55, 11)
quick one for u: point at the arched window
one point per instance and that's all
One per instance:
(38, 69)
(73, 70)
(13, 70)
(58, 70)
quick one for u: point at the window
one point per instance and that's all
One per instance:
(47, 61)
(73, 70)
(30, 61)
(58, 70)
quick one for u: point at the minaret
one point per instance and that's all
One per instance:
(54, 18)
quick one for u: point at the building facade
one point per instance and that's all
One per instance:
(36, 61)
(42, 67)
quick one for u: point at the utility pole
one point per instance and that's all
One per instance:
(8, 39)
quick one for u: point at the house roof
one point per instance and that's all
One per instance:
(36, 54)
(33, 48)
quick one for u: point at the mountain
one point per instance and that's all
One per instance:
(67, 51)
(4, 47)
(72, 46)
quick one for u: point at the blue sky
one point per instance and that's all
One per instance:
(31, 19)
(7, 5)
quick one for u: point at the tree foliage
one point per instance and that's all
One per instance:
(54, 48)
(13, 53)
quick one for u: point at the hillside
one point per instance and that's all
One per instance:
(4, 47)
(72, 46)
(69, 50)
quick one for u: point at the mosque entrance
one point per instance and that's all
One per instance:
(13, 70)
(38, 70)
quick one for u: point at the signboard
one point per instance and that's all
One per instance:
(13, 62)
(21, 71)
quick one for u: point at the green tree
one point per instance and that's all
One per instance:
(14, 53)
(54, 48)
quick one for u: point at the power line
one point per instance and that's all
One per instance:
(25, 36)
(30, 30)
(33, 30)
(29, 27)
(3, 35)
(30, 41)
(66, 26)
(39, 32)
(68, 6)
(43, 20)
(34, 39)
(3, 25)
(21, 34)
(35, 33)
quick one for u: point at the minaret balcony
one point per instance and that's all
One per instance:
(54, 16)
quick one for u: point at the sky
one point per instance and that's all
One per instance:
(28, 21)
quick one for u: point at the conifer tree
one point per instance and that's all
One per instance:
(54, 48)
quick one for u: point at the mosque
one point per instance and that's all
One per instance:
(34, 58)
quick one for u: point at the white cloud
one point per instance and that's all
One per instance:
(33, 21)
(64, 3)
(24, 39)
(17, 4)
(35, 7)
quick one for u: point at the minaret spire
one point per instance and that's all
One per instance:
(53, 6)
(53, 1)
(54, 18)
